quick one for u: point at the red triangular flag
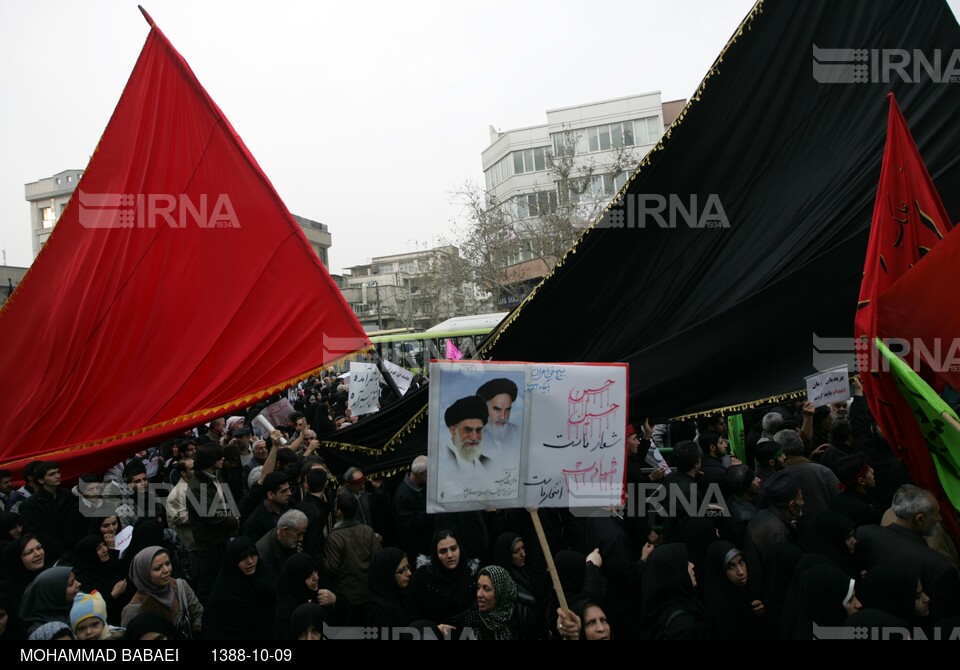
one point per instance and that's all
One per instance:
(175, 287)
(908, 220)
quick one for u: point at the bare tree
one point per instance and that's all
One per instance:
(495, 238)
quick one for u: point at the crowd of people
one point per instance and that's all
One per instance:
(221, 535)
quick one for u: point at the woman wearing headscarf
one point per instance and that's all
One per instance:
(509, 552)
(593, 621)
(49, 598)
(733, 613)
(98, 571)
(897, 591)
(669, 609)
(390, 602)
(697, 534)
(22, 561)
(107, 528)
(242, 603)
(299, 584)
(10, 626)
(11, 526)
(150, 626)
(445, 587)
(151, 573)
(151, 533)
(837, 542)
(493, 615)
(579, 577)
(779, 567)
(53, 631)
(825, 597)
(306, 622)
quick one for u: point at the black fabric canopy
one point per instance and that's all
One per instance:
(725, 317)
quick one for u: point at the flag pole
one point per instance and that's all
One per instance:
(557, 587)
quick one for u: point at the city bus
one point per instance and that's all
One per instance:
(414, 350)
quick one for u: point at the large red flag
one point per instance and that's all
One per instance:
(908, 221)
(175, 287)
(922, 304)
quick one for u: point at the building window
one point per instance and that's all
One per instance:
(607, 137)
(535, 204)
(69, 178)
(47, 217)
(516, 162)
(58, 181)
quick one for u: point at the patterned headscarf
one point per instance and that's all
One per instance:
(496, 622)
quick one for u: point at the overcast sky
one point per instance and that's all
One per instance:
(365, 116)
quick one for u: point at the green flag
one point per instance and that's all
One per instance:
(941, 436)
(736, 437)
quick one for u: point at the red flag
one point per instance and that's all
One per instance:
(176, 287)
(921, 305)
(908, 221)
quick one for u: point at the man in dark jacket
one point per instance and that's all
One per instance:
(774, 525)
(410, 504)
(213, 514)
(52, 512)
(902, 545)
(276, 499)
(682, 485)
(347, 555)
(857, 479)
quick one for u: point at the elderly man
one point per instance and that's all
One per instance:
(466, 420)
(410, 504)
(902, 545)
(282, 542)
(503, 437)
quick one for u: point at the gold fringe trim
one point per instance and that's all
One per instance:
(389, 445)
(346, 446)
(746, 24)
(185, 418)
(736, 409)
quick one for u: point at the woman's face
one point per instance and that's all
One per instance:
(311, 634)
(73, 587)
(248, 565)
(486, 597)
(402, 573)
(153, 636)
(519, 555)
(851, 541)
(4, 619)
(693, 576)
(853, 605)
(16, 532)
(448, 551)
(737, 571)
(160, 570)
(102, 553)
(313, 581)
(921, 605)
(109, 525)
(595, 626)
(32, 556)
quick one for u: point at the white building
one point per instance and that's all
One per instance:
(409, 290)
(589, 150)
(48, 198)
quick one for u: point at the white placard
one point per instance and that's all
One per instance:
(364, 395)
(122, 540)
(277, 414)
(560, 442)
(401, 376)
(826, 388)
